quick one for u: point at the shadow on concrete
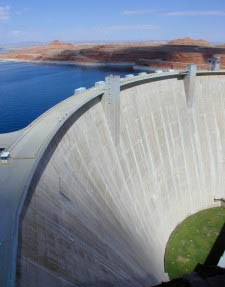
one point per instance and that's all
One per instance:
(55, 273)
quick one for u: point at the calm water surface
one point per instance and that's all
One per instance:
(28, 90)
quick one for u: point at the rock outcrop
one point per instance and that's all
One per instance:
(189, 41)
(60, 45)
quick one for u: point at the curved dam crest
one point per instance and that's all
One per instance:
(98, 213)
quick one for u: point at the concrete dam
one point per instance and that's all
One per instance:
(91, 191)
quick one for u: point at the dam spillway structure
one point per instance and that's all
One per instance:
(91, 190)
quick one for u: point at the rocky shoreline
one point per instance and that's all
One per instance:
(72, 63)
(140, 56)
(118, 65)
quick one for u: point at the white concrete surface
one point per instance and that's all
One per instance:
(221, 263)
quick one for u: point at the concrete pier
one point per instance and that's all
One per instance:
(111, 106)
(91, 200)
(189, 84)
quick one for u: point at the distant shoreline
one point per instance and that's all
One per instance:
(125, 65)
(100, 64)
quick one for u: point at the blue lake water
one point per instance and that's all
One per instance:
(28, 90)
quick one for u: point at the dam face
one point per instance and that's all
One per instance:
(100, 214)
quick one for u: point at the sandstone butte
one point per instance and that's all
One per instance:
(189, 42)
(175, 54)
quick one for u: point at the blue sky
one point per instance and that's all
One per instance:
(124, 20)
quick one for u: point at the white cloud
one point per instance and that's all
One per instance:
(16, 33)
(194, 13)
(131, 27)
(4, 13)
(175, 13)
(116, 32)
(117, 29)
(22, 11)
(139, 12)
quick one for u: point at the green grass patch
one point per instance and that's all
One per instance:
(192, 240)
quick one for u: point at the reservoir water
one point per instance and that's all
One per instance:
(27, 90)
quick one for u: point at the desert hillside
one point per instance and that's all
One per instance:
(174, 54)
